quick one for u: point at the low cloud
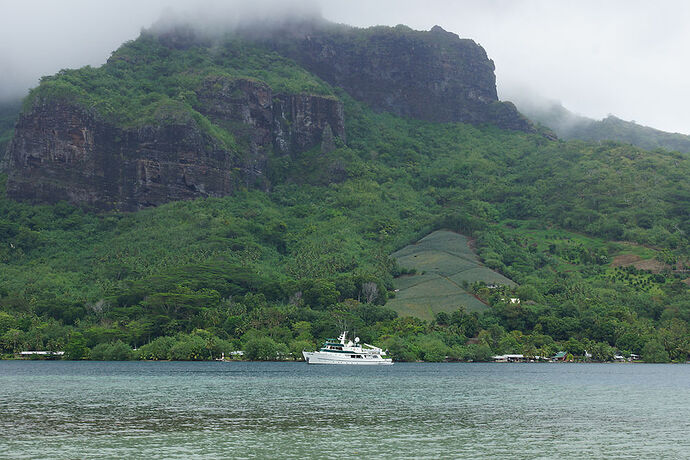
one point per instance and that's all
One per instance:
(40, 37)
(625, 57)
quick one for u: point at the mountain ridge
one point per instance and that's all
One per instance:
(106, 138)
(568, 125)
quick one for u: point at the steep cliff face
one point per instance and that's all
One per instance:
(61, 151)
(64, 152)
(286, 123)
(432, 75)
(102, 137)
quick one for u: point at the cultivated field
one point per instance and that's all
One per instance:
(443, 260)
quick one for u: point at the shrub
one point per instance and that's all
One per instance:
(115, 351)
(261, 349)
(654, 352)
(157, 350)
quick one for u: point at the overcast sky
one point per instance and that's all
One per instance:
(629, 58)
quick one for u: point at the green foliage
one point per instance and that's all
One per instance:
(7, 322)
(570, 126)
(76, 348)
(12, 340)
(654, 352)
(433, 349)
(188, 348)
(476, 353)
(298, 346)
(261, 349)
(157, 350)
(147, 82)
(115, 351)
(273, 273)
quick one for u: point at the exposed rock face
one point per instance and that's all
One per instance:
(64, 152)
(287, 123)
(433, 75)
(61, 151)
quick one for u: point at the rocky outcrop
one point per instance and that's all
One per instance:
(65, 151)
(286, 123)
(62, 151)
(432, 75)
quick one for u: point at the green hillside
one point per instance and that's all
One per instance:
(445, 267)
(145, 80)
(277, 270)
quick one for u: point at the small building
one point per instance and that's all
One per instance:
(560, 356)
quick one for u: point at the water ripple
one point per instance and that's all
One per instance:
(291, 410)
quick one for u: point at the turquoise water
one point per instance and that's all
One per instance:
(292, 410)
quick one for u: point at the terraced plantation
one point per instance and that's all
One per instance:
(446, 266)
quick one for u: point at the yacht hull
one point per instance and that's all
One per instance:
(320, 357)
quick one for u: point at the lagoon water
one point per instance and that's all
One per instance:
(292, 410)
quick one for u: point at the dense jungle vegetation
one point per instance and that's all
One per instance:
(273, 273)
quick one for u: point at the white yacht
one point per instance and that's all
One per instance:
(342, 352)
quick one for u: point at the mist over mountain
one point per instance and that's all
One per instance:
(568, 125)
(596, 57)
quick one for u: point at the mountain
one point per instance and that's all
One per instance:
(175, 116)
(202, 195)
(568, 125)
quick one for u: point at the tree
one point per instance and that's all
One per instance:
(508, 344)
(477, 353)
(261, 349)
(298, 346)
(654, 352)
(11, 340)
(76, 347)
(370, 291)
(442, 318)
(320, 293)
(7, 322)
(159, 349)
(602, 352)
(302, 330)
(433, 350)
(116, 351)
(400, 349)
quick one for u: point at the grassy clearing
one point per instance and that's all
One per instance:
(481, 274)
(445, 266)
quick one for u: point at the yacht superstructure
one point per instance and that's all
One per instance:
(345, 351)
